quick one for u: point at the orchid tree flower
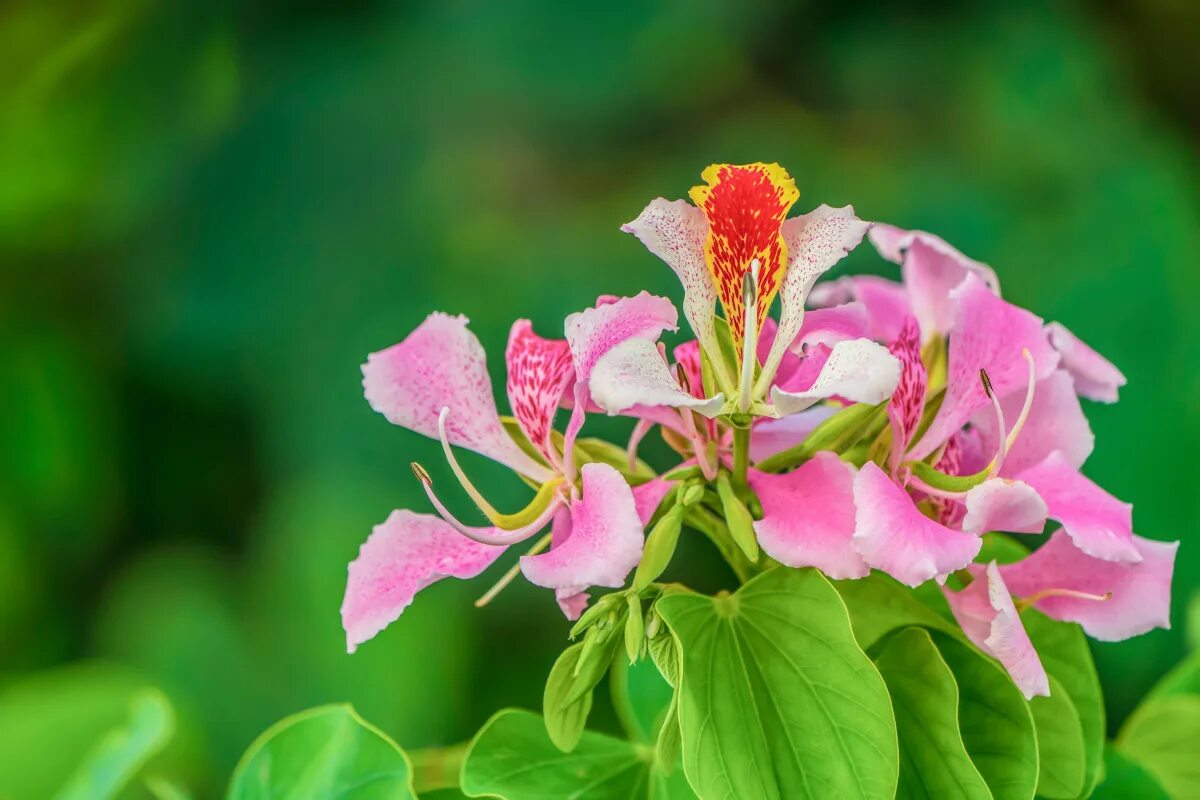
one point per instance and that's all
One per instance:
(435, 382)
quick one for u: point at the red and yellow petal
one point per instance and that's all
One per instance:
(745, 205)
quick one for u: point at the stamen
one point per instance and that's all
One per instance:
(512, 573)
(488, 510)
(914, 482)
(481, 534)
(997, 461)
(699, 444)
(750, 335)
(681, 377)
(1024, 415)
(1025, 602)
(640, 429)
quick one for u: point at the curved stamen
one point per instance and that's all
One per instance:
(640, 429)
(750, 335)
(488, 510)
(699, 444)
(481, 534)
(1029, 391)
(1002, 447)
(1025, 602)
(512, 573)
(916, 483)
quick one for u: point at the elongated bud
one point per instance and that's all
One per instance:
(737, 518)
(593, 614)
(635, 627)
(693, 495)
(660, 547)
(653, 624)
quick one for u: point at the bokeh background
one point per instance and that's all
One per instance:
(211, 212)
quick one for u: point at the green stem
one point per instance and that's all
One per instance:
(618, 690)
(437, 767)
(741, 455)
(711, 526)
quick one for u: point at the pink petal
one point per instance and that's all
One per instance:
(635, 373)
(892, 534)
(773, 436)
(990, 334)
(605, 541)
(441, 364)
(403, 555)
(815, 242)
(675, 232)
(647, 497)
(829, 326)
(1096, 378)
(1003, 505)
(1141, 592)
(986, 613)
(808, 516)
(1056, 422)
(908, 401)
(886, 302)
(539, 371)
(1099, 524)
(859, 370)
(572, 605)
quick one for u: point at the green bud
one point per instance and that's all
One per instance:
(948, 483)
(635, 627)
(737, 518)
(593, 614)
(694, 494)
(682, 473)
(660, 547)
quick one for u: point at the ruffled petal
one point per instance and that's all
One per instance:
(634, 373)
(987, 334)
(605, 542)
(808, 516)
(403, 555)
(1003, 505)
(986, 613)
(539, 371)
(892, 534)
(675, 232)
(1140, 593)
(1099, 524)
(815, 242)
(886, 302)
(1096, 378)
(860, 370)
(442, 365)
(1056, 422)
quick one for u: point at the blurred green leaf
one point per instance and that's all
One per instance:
(1062, 753)
(328, 751)
(123, 751)
(1161, 736)
(1124, 778)
(878, 604)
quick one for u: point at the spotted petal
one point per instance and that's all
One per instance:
(442, 365)
(892, 534)
(808, 516)
(859, 370)
(988, 334)
(1140, 592)
(908, 400)
(986, 613)
(1096, 378)
(539, 371)
(605, 542)
(403, 555)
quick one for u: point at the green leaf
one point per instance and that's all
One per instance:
(933, 758)
(512, 758)
(1183, 679)
(1064, 652)
(122, 752)
(328, 751)
(776, 699)
(1061, 750)
(879, 605)
(995, 721)
(163, 789)
(1125, 778)
(565, 711)
(1161, 736)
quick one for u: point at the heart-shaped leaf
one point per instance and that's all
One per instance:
(1061, 749)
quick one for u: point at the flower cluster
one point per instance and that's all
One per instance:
(888, 428)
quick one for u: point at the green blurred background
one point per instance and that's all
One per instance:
(211, 212)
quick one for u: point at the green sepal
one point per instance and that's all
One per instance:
(593, 614)
(635, 627)
(737, 518)
(546, 494)
(726, 372)
(840, 430)
(592, 450)
(564, 710)
(660, 547)
(682, 473)
(948, 483)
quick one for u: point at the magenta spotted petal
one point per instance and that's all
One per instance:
(605, 541)
(988, 334)
(403, 555)
(908, 401)
(539, 371)
(1096, 378)
(1056, 422)
(808, 516)
(987, 614)
(891, 533)
(1099, 524)
(1138, 594)
(442, 365)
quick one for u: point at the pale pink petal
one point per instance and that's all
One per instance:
(892, 534)
(999, 504)
(1056, 422)
(859, 370)
(808, 516)
(647, 497)
(987, 614)
(886, 302)
(1096, 378)
(606, 537)
(539, 372)
(829, 326)
(634, 373)
(772, 436)
(908, 401)
(892, 243)
(572, 603)
(402, 556)
(989, 334)
(442, 365)
(1099, 524)
(675, 232)
(1140, 593)
(815, 242)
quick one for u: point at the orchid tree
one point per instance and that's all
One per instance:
(877, 459)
